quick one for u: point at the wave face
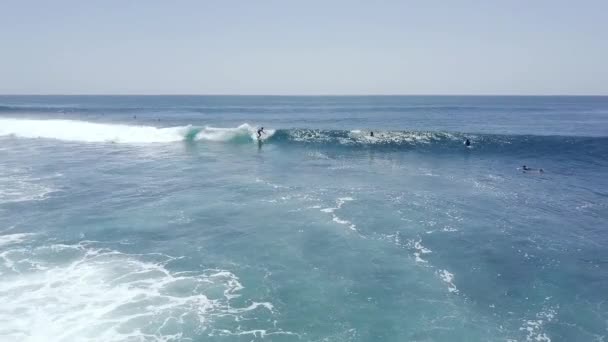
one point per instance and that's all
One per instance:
(89, 132)
(242, 133)
(83, 131)
(447, 141)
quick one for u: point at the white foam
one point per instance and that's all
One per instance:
(448, 278)
(83, 293)
(83, 131)
(419, 250)
(418, 258)
(244, 131)
(340, 221)
(309, 135)
(276, 186)
(317, 155)
(339, 203)
(73, 130)
(345, 222)
(534, 328)
(10, 239)
(393, 137)
(18, 187)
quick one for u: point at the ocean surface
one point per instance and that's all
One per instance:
(162, 218)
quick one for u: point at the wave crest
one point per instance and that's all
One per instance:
(83, 131)
(71, 130)
(242, 133)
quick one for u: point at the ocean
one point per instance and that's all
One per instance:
(163, 218)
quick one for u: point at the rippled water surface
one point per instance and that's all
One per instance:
(165, 219)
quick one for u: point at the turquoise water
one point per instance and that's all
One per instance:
(163, 219)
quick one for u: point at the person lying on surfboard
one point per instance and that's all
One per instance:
(525, 168)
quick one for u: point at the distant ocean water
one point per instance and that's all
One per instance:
(161, 218)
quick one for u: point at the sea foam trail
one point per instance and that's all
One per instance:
(83, 131)
(85, 292)
(71, 130)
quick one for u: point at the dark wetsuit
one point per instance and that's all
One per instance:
(525, 168)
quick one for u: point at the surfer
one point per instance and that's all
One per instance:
(467, 142)
(260, 131)
(371, 134)
(525, 168)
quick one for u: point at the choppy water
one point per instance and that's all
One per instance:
(162, 219)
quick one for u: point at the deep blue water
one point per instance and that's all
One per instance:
(161, 218)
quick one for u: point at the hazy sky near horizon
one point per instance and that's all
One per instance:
(304, 47)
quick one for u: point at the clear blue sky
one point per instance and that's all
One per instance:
(304, 47)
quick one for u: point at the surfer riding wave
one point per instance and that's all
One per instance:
(260, 132)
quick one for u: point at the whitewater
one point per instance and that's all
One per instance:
(83, 131)
(164, 218)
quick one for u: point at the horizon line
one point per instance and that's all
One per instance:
(308, 95)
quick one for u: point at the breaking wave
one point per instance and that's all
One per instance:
(90, 132)
(82, 131)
